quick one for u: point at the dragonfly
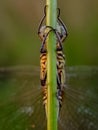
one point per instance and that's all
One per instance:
(61, 34)
(21, 104)
(21, 99)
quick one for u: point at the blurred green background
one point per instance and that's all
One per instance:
(20, 91)
(19, 43)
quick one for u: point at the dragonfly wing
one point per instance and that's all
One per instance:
(21, 105)
(80, 106)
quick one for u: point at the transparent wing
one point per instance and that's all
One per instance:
(80, 106)
(21, 106)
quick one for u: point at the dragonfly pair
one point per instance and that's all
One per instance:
(61, 34)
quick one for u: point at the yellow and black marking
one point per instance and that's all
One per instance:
(61, 34)
(60, 75)
(61, 78)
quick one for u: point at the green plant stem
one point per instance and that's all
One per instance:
(52, 103)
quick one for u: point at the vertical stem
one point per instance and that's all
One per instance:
(52, 104)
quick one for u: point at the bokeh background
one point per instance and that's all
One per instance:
(21, 106)
(19, 20)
